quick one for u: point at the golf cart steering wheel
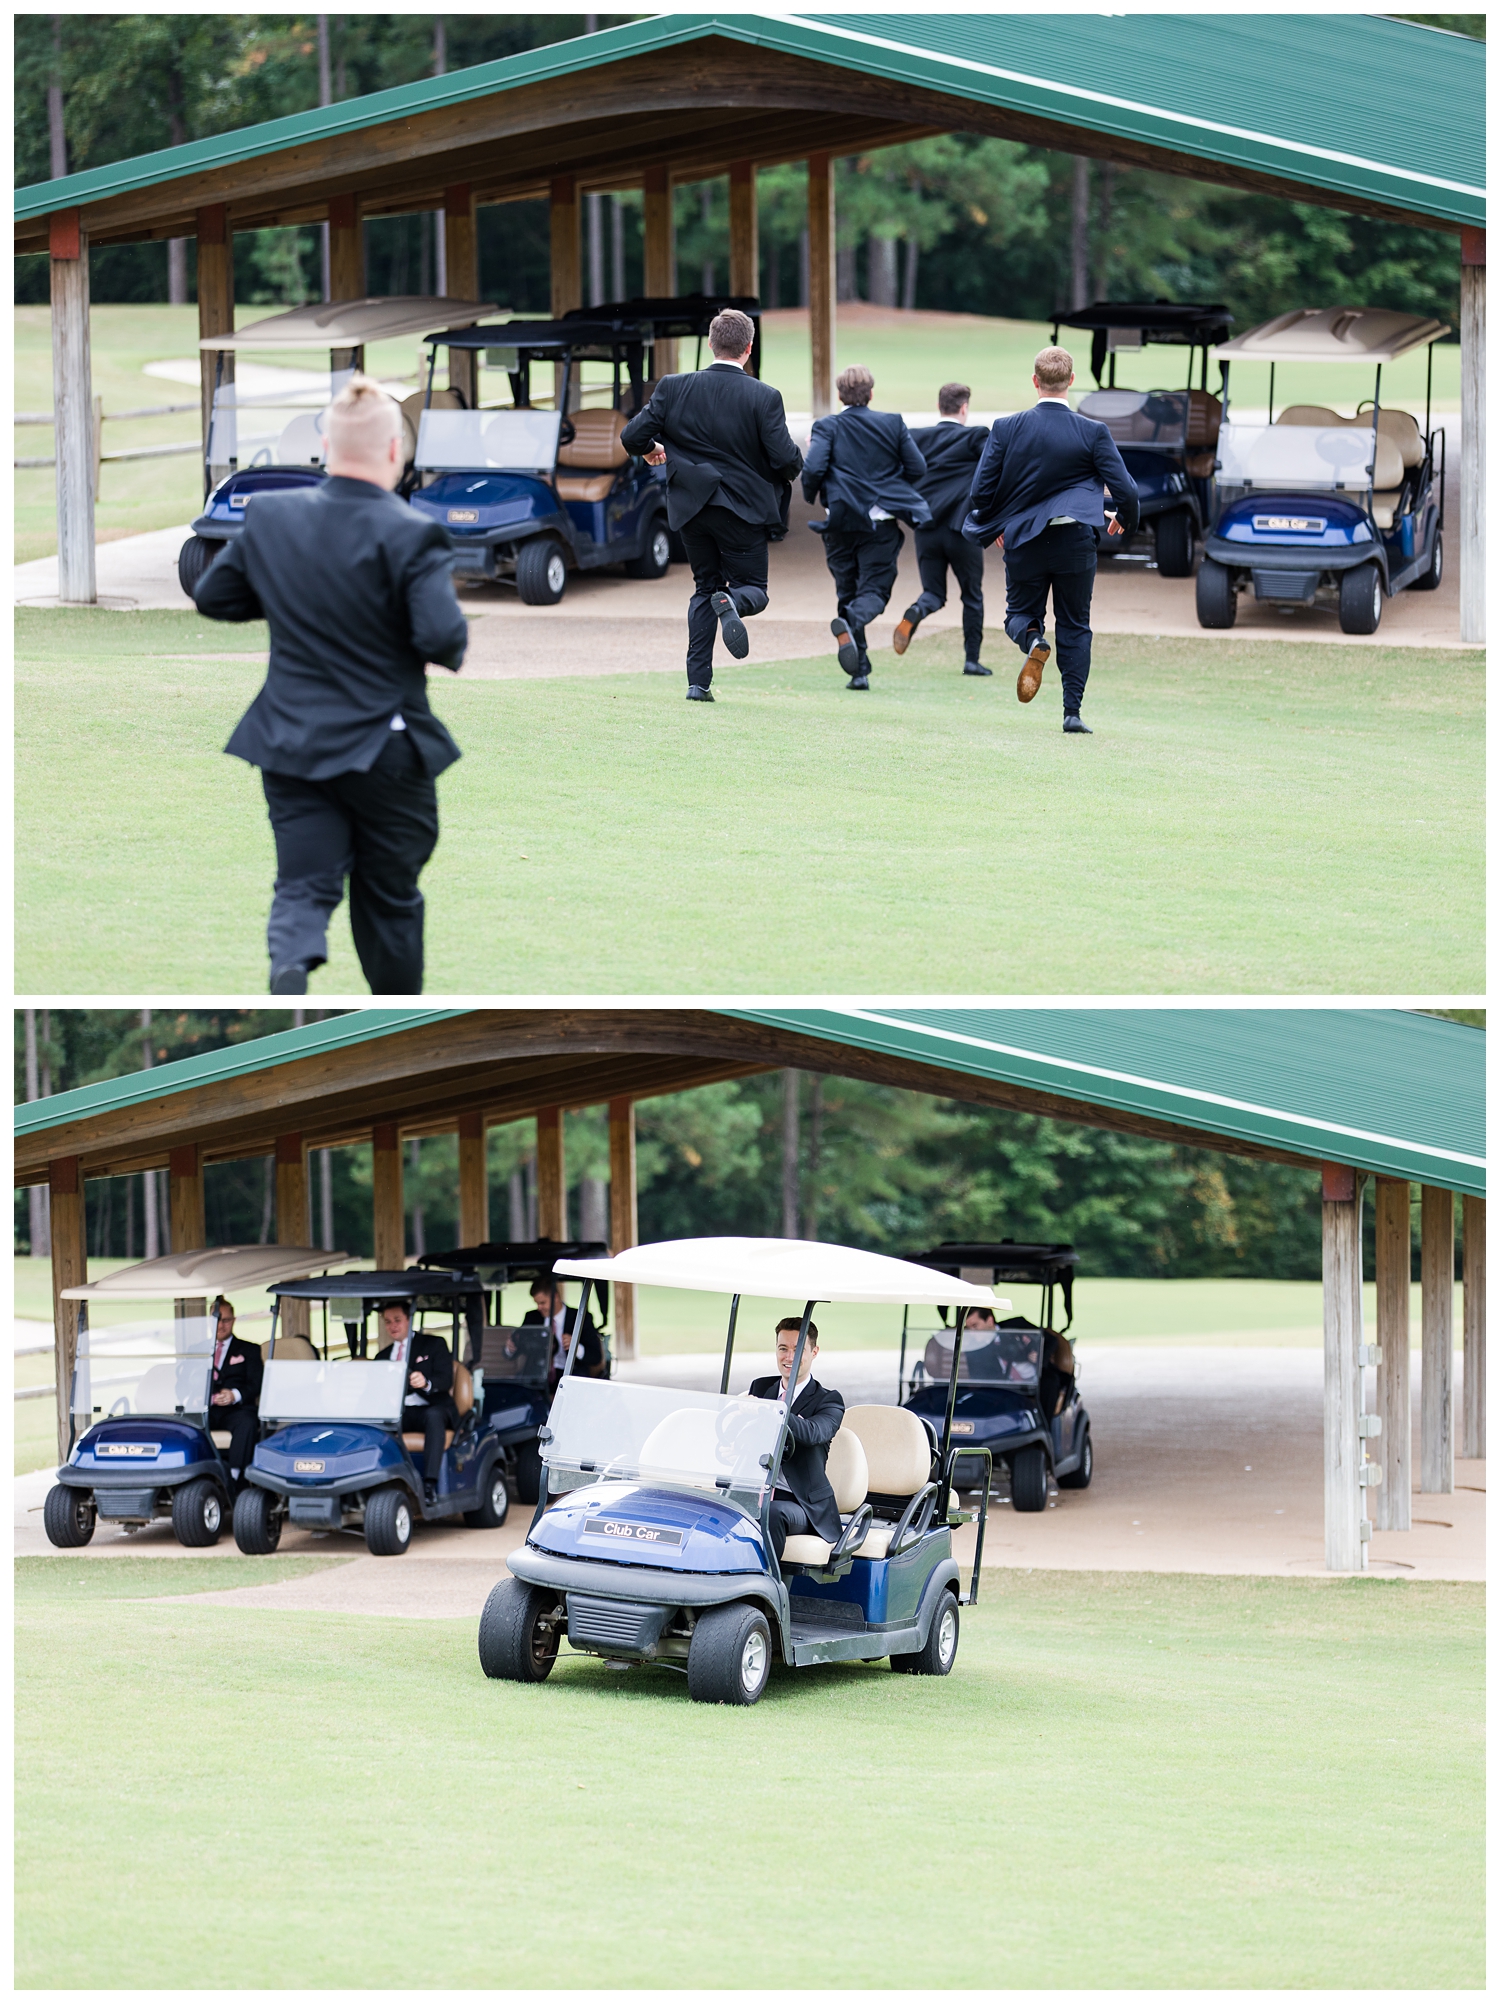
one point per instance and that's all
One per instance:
(730, 1427)
(567, 431)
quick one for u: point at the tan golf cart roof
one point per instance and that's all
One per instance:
(785, 1270)
(351, 323)
(1333, 334)
(188, 1275)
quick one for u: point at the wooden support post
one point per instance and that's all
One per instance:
(660, 277)
(473, 1181)
(622, 1215)
(72, 404)
(1393, 1334)
(567, 268)
(291, 1221)
(551, 1175)
(215, 316)
(69, 1269)
(1344, 1527)
(1471, 512)
(390, 1206)
(186, 1212)
(821, 279)
(1437, 1341)
(346, 267)
(461, 243)
(1474, 1371)
(744, 230)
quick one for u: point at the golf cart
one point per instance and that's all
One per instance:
(513, 1358)
(1314, 503)
(142, 1445)
(1166, 436)
(686, 317)
(334, 1457)
(1016, 1391)
(260, 443)
(651, 1541)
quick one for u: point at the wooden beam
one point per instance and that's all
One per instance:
(215, 316)
(551, 1175)
(1437, 1341)
(744, 230)
(1393, 1334)
(473, 1181)
(623, 1228)
(461, 245)
(185, 1211)
(1474, 1361)
(1345, 1531)
(73, 404)
(821, 280)
(390, 1207)
(70, 1268)
(291, 1221)
(1472, 553)
(658, 255)
(567, 266)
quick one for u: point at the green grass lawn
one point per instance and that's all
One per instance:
(1135, 1781)
(1246, 820)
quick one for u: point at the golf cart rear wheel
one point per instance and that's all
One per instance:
(1174, 544)
(1028, 1478)
(729, 1657)
(257, 1522)
(938, 1653)
(528, 1471)
(1432, 577)
(68, 1516)
(193, 559)
(1216, 600)
(541, 571)
(388, 1522)
(655, 559)
(491, 1513)
(518, 1633)
(198, 1513)
(1360, 599)
(1083, 1474)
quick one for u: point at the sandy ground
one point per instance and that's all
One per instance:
(1207, 1460)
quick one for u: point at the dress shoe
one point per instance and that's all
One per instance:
(977, 668)
(736, 639)
(906, 626)
(289, 980)
(696, 694)
(1030, 678)
(1075, 727)
(859, 681)
(429, 1489)
(848, 651)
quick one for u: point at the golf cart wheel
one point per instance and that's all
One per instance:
(257, 1521)
(1216, 600)
(198, 1513)
(528, 1471)
(1083, 1474)
(541, 571)
(1174, 544)
(939, 1652)
(729, 1657)
(655, 559)
(491, 1513)
(518, 1633)
(1432, 577)
(388, 1522)
(193, 560)
(1028, 1478)
(1360, 599)
(68, 1516)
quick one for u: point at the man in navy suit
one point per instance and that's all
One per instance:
(1040, 489)
(952, 449)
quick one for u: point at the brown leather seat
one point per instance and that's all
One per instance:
(1204, 412)
(412, 408)
(596, 451)
(462, 1396)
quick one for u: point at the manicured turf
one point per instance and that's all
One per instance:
(1247, 819)
(1144, 1782)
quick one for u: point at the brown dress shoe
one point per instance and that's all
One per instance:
(906, 626)
(1030, 678)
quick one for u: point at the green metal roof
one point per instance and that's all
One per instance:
(1351, 105)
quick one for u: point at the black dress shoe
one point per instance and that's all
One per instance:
(736, 639)
(290, 980)
(859, 681)
(429, 1489)
(848, 651)
(696, 694)
(977, 668)
(1074, 725)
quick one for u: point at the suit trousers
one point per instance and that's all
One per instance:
(727, 554)
(1061, 561)
(939, 551)
(788, 1520)
(432, 1423)
(376, 828)
(863, 565)
(242, 1424)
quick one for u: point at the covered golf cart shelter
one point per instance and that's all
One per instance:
(1347, 1094)
(1368, 115)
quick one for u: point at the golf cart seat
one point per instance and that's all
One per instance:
(1309, 414)
(412, 408)
(301, 442)
(1398, 445)
(290, 1349)
(596, 446)
(849, 1475)
(462, 1396)
(898, 1459)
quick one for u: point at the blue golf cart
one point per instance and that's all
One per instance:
(334, 1457)
(1314, 507)
(1011, 1391)
(1166, 435)
(651, 1541)
(142, 1444)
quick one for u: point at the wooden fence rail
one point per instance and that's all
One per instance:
(103, 417)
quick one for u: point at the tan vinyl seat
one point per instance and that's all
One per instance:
(849, 1475)
(595, 450)
(1310, 414)
(412, 408)
(462, 1396)
(898, 1458)
(290, 1349)
(1398, 447)
(1204, 412)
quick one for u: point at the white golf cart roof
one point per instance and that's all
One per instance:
(189, 1275)
(784, 1269)
(351, 323)
(1333, 334)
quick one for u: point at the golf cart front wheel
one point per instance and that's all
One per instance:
(1360, 599)
(492, 1511)
(68, 1516)
(1216, 600)
(541, 571)
(257, 1522)
(518, 1633)
(193, 560)
(655, 559)
(198, 1513)
(388, 1522)
(729, 1657)
(1028, 1479)
(939, 1652)
(1174, 544)
(1432, 577)
(1083, 1474)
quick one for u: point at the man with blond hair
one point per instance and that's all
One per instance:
(358, 592)
(1040, 491)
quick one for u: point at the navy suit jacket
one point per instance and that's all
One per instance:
(952, 451)
(862, 459)
(1044, 462)
(816, 1416)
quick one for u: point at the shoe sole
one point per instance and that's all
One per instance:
(1030, 678)
(848, 652)
(736, 639)
(905, 628)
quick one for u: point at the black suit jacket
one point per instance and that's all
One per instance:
(358, 589)
(1044, 462)
(814, 1419)
(952, 452)
(242, 1372)
(727, 443)
(430, 1355)
(861, 459)
(590, 1347)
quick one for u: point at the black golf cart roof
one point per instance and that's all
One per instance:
(516, 1259)
(408, 1284)
(545, 336)
(1158, 320)
(1005, 1259)
(688, 313)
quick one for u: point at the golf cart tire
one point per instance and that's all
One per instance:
(388, 1522)
(1360, 599)
(729, 1657)
(516, 1640)
(198, 1512)
(528, 1471)
(939, 1652)
(1083, 1474)
(1432, 577)
(1174, 544)
(257, 1522)
(655, 559)
(541, 571)
(492, 1511)
(1216, 599)
(1028, 1479)
(68, 1517)
(193, 561)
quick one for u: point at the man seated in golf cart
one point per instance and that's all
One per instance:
(551, 1314)
(804, 1500)
(234, 1392)
(428, 1407)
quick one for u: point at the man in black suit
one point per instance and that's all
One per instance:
(951, 448)
(730, 464)
(1040, 489)
(234, 1392)
(428, 1407)
(865, 466)
(804, 1499)
(358, 590)
(559, 1321)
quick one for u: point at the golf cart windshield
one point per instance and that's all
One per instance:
(516, 1355)
(1316, 457)
(159, 1368)
(1004, 1356)
(465, 441)
(276, 428)
(1141, 417)
(648, 1433)
(351, 1388)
